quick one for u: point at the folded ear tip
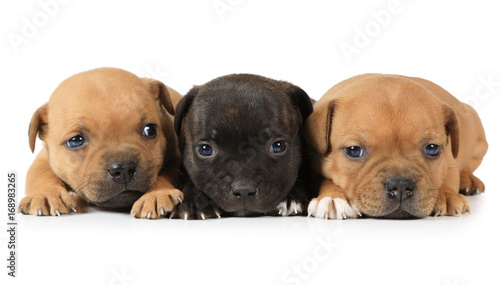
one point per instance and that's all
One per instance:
(38, 125)
(183, 107)
(318, 128)
(300, 99)
(160, 90)
(452, 130)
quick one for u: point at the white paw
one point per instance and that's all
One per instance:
(294, 209)
(329, 208)
(282, 209)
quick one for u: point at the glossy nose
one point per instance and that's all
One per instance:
(123, 172)
(399, 188)
(243, 192)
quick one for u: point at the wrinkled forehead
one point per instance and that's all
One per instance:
(239, 117)
(92, 108)
(379, 117)
(92, 88)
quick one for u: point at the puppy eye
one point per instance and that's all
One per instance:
(278, 147)
(149, 131)
(432, 150)
(75, 142)
(354, 151)
(206, 150)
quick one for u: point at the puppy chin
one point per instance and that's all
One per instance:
(398, 214)
(246, 210)
(245, 213)
(234, 209)
(404, 211)
(123, 200)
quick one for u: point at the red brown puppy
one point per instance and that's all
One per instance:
(395, 147)
(109, 141)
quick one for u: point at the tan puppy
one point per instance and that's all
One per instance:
(393, 146)
(109, 139)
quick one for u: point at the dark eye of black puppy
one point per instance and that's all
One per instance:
(149, 131)
(206, 150)
(354, 151)
(432, 150)
(278, 147)
(75, 142)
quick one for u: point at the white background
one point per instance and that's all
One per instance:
(453, 43)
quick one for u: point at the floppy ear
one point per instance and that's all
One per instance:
(319, 127)
(300, 99)
(160, 91)
(183, 107)
(38, 125)
(451, 127)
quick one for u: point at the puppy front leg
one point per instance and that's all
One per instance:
(46, 194)
(449, 202)
(331, 203)
(295, 202)
(160, 199)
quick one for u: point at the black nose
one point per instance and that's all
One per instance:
(123, 172)
(243, 192)
(399, 187)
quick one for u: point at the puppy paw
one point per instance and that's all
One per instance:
(53, 202)
(201, 209)
(184, 211)
(156, 204)
(450, 203)
(210, 212)
(328, 208)
(470, 184)
(289, 208)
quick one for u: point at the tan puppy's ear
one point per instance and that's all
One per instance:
(319, 128)
(451, 126)
(160, 91)
(38, 125)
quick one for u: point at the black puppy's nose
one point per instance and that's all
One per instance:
(399, 187)
(123, 172)
(243, 192)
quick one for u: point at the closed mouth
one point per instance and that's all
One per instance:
(399, 213)
(122, 199)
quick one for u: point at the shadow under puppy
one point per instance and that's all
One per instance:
(109, 141)
(395, 147)
(240, 139)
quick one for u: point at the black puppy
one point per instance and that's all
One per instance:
(240, 138)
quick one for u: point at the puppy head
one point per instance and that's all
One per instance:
(239, 135)
(386, 142)
(106, 131)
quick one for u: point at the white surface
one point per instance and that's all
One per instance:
(453, 43)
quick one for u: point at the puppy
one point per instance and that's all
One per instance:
(240, 139)
(394, 147)
(109, 141)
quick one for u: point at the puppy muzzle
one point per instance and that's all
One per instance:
(400, 192)
(121, 184)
